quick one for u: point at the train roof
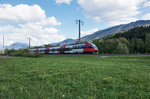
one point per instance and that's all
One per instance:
(80, 43)
(56, 47)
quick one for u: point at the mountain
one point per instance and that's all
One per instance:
(17, 45)
(115, 29)
(67, 41)
(110, 31)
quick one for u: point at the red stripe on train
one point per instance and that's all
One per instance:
(62, 51)
(90, 49)
(89, 45)
(47, 51)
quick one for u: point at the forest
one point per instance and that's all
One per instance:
(136, 41)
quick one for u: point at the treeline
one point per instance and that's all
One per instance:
(136, 40)
(21, 53)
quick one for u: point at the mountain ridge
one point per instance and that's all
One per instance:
(115, 29)
(17, 45)
(111, 30)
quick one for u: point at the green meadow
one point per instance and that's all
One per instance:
(75, 77)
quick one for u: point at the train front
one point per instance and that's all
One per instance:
(95, 49)
(90, 48)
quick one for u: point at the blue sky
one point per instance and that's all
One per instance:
(47, 21)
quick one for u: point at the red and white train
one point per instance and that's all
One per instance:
(68, 49)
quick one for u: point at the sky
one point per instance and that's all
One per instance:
(49, 21)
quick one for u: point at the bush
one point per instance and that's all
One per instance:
(112, 46)
(121, 49)
(23, 53)
(32, 55)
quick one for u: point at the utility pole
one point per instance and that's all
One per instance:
(3, 45)
(14, 46)
(29, 42)
(79, 22)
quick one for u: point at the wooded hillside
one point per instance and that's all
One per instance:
(136, 40)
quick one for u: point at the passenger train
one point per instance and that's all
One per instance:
(67, 49)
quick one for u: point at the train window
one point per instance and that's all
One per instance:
(40, 50)
(47, 50)
(32, 50)
(65, 49)
(87, 46)
(61, 49)
(68, 49)
(58, 49)
(35, 50)
(53, 50)
(94, 46)
(77, 47)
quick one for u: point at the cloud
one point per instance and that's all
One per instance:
(25, 13)
(28, 21)
(146, 16)
(147, 4)
(125, 21)
(38, 34)
(83, 33)
(63, 1)
(110, 10)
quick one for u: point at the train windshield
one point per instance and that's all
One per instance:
(94, 45)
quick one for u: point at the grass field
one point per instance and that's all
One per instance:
(75, 77)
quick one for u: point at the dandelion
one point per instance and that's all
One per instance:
(63, 95)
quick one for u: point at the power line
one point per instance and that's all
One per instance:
(79, 22)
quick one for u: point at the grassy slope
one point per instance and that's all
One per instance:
(75, 77)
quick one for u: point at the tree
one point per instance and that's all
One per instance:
(132, 46)
(147, 43)
(140, 48)
(1, 52)
(58, 45)
(48, 45)
(6, 50)
(101, 46)
(96, 41)
(123, 40)
(110, 45)
(137, 46)
(121, 49)
(37, 47)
